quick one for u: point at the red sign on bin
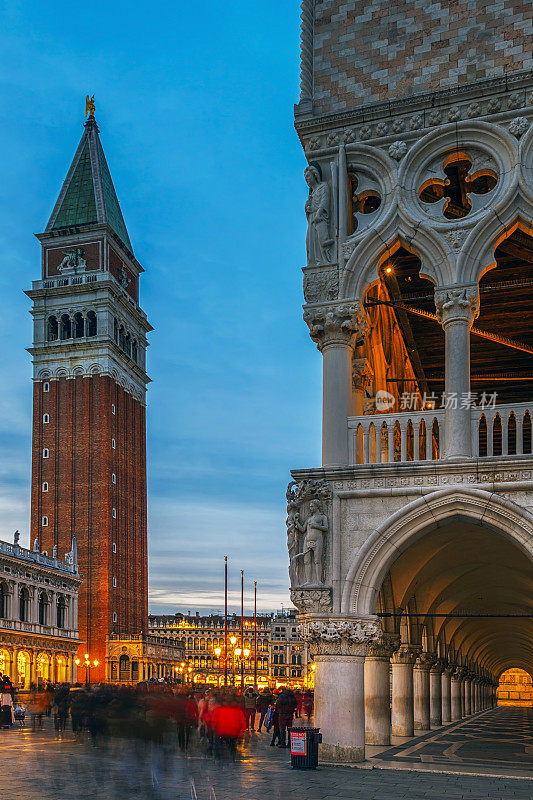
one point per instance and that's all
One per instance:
(298, 743)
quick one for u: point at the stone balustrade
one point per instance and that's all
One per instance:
(503, 430)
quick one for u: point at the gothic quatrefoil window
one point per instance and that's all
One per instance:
(461, 187)
(364, 200)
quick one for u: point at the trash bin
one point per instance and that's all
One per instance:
(304, 747)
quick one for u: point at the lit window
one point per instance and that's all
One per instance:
(46, 387)
(113, 408)
(113, 478)
(114, 547)
(46, 452)
(114, 582)
(113, 444)
(46, 419)
(45, 487)
(44, 522)
(114, 616)
(114, 512)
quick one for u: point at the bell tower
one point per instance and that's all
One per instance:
(89, 376)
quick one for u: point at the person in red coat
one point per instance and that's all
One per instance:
(229, 724)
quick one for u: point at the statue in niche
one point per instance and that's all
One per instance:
(73, 261)
(317, 212)
(314, 529)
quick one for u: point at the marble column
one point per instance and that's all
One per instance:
(339, 646)
(446, 687)
(457, 686)
(377, 692)
(457, 310)
(421, 701)
(468, 695)
(435, 695)
(336, 329)
(402, 717)
(361, 376)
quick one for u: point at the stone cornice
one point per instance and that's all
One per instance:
(306, 122)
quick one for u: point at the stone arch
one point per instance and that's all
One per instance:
(363, 266)
(369, 567)
(477, 254)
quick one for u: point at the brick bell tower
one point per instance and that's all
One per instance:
(89, 428)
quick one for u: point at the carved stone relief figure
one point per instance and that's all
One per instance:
(306, 540)
(73, 261)
(314, 528)
(317, 213)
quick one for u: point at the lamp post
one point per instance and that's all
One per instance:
(233, 642)
(218, 651)
(87, 664)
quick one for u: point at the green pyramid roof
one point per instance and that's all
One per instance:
(88, 195)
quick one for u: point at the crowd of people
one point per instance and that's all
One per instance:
(211, 718)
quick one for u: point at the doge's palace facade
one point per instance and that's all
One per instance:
(411, 546)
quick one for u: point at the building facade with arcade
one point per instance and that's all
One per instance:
(38, 615)
(411, 544)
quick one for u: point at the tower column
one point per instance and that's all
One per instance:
(457, 309)
(402, 716)
(334, 330)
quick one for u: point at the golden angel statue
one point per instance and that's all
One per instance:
(89, 106)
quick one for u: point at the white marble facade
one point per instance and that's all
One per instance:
(408, 532)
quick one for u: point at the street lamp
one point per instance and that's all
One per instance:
(217, 651)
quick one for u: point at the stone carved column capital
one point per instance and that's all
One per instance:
(362, 373)
(340, 636)
(425, 661)
(457, 305)
(344, 324)
(438, 666)
(406, 654)
(459, 674)
(384, 647)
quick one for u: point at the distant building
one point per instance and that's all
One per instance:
(38, 615)
(281, 655)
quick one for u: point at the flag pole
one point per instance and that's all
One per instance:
(225, 620)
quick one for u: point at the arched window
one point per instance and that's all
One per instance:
(92, 325)
(202, 644)
(52, 332)
(124, 668)
(65, 328)
(189, 643)
(497, 436)
(482, 436)
(422, 438)
(372, 443)
(79, 325)
(61, 612)
(115, 329)
(3, 603)
(134, 350)
(24, 604)
(43, 609)
(511, 435)
(127, 344)
(121, 337)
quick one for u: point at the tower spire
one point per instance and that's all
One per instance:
(88, 195)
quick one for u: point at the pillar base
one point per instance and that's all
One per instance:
(335, 754)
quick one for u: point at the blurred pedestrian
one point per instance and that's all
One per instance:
(229, 724)
(250, 701)
(264, 700)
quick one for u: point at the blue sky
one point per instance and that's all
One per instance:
(194, 103)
